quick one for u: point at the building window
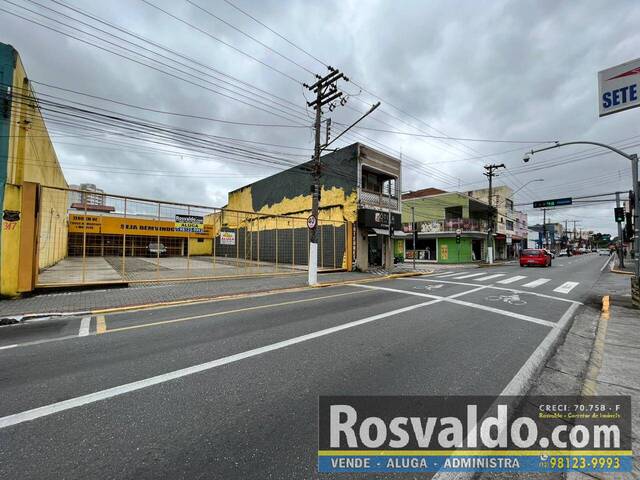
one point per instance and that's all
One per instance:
(509, 204)
(509, 225)
(371, 182)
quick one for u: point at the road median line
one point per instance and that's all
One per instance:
(233, 296)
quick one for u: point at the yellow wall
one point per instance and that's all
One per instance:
(10, 242)
(31, 158)
(336, 208)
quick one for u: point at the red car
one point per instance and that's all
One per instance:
(535, 256)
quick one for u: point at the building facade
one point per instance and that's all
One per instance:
(359, 189)
(88, 194)
(27, 159)
(444, 227)
(510, 235)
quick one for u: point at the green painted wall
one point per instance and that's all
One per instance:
(452, 248)
(7, 65)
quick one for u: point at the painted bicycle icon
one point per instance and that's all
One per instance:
(513, 299)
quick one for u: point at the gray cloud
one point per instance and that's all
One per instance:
(502, 70)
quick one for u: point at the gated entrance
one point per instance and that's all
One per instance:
(109, 238)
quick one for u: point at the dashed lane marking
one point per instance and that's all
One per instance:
(512, 279)
(537, 283)
(85, 325)
(566, 287)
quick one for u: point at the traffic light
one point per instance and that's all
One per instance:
(619, 214)
(457, 238)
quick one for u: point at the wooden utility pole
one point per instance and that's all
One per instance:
(490, 173)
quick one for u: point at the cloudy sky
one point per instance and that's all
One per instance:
(495, 71)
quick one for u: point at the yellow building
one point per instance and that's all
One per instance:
(27, 159)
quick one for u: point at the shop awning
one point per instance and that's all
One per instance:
(396, 233)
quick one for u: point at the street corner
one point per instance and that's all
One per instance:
(530, 304)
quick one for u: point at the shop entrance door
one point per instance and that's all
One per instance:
(375, 250)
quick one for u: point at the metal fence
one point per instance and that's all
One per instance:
(103, 238)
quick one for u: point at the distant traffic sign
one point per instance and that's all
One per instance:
(556, 202)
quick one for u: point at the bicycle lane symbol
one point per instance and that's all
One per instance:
(513, 299)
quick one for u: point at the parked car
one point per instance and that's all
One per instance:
(604, 251)
(155, 249)
(594, 250)
(535, 256)
(563, 253)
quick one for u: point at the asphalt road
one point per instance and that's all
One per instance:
(229, 389)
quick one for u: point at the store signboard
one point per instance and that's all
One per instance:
(189, 223)
(227, 238)
(92, 224)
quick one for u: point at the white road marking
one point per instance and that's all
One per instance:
(85, 325)
(471, 275)
(397, 290)
(9, 346)
(46, 410)
(447, 274)
(606, 263)
(566, 287)
(493, 287)
(489, 277)
(519, 316)
(537, 283)
(453, 299)
(512, 279)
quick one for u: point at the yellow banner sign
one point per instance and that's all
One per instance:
(131, 226)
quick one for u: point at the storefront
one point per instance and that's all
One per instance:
(97, 235)
(374, 238)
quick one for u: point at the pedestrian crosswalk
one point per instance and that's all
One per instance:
(537, 283)
(515, 281)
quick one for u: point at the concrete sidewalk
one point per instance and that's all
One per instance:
(600, 355)
(91, 300)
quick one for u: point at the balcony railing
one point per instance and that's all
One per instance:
(451, 225)
(376, 199)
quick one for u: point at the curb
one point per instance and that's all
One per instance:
(621, 272)
(188, 301)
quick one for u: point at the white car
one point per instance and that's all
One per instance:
(604, 251)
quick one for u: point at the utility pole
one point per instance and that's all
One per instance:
(413, 234)
(326, 91)
(544, 228)
(620, 244)
(490, 173)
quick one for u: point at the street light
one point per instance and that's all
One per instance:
(636, 190)
(530, 181)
